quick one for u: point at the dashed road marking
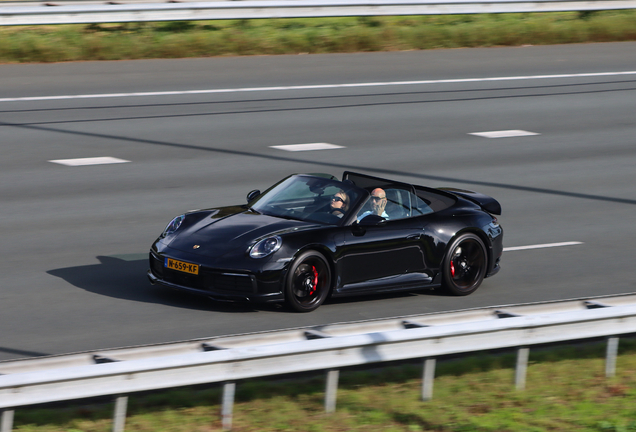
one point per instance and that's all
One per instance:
(89, 161)
(307, 147)
(542, 246)
(504, 134)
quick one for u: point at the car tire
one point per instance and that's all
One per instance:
(308, 282)
(464, 265)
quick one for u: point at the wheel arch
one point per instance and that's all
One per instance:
(462, 272)
(325, 252)
(479, 233)
(308, 280)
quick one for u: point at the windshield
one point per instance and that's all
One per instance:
(309, 198)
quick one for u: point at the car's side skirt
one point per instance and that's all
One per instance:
(404, 282)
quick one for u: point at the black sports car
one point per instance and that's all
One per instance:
(311, 236)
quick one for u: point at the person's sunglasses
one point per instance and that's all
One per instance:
(375, 198)
(337, 199)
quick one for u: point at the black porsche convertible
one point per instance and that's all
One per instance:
(312, 236)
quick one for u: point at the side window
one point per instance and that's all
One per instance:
(420, 207)
(431, 201)
(398, 203)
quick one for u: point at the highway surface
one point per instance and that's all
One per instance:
(199, 133)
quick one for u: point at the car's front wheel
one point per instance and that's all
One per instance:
(465, 265)
(308, 282)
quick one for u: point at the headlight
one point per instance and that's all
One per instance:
(266, 247)
(173, 225)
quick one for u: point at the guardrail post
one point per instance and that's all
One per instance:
(522, 365)
(119, 418)
(227, 405)
(6, 420)
(331, 390)
(428, 377)
(610, 358)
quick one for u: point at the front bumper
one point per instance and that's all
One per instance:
(222, 285)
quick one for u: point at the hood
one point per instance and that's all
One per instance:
(217, 237)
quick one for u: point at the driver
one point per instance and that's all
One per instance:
(378, 203)
(339, 203)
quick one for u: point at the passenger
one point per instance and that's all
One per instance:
(339, 203)
(378, 203)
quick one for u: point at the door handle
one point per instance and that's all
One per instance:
(413, 236)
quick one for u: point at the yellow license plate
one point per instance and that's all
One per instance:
(173, 264)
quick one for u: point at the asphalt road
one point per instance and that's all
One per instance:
(75, 238)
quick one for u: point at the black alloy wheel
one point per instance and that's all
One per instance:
(308, 282)
(465, 265)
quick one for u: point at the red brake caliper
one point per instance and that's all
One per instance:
(452, 268)
(315, 284)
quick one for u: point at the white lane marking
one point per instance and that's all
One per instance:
(542, 246)
(307, 147)
(504, 134)
(89, 161)
(312, 87)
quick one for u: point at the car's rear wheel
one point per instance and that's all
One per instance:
(308, 282)
(464, 265)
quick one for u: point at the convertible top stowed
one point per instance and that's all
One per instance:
(312, 236)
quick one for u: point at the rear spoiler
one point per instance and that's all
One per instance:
(486, 202)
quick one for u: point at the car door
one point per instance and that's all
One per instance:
(382, 257)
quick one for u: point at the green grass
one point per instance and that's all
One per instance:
(316, 35)
(566, 391)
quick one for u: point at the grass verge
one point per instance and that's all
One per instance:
(566, 391)
(315, 35)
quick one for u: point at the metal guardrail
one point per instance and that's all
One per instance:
(221, 10)
(416, 338)
(251, 340)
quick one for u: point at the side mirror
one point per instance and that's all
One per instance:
(359, 228)
(252, 195)
(372, 220)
